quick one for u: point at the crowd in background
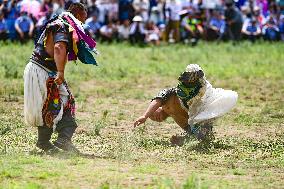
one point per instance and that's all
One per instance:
(152, 21)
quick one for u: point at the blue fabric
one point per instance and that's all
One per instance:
(220, 24)
(13, 13)
(84, 54)
(93, 26)
(281, 27)
(271, 34)
(11, 28)
(3, 25)
(251, 28)
(24, 23)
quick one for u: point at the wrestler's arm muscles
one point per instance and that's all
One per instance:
(60, 58)
(154, 105)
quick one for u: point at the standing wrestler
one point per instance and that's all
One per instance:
(193, 103)
(48, 103)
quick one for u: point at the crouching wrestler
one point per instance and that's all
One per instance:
(193, 104)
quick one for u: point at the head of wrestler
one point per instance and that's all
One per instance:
(79, 11)
(191, 75)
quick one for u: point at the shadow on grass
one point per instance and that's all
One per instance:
(209, 147)
(149, 143)
(68, 155)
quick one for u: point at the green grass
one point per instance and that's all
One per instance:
(248, 151)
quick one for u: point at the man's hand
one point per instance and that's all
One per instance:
(31, 33)
(21, 35)
(140, 120)
(59, 78)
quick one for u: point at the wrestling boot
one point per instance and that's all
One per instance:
(43, 143)
(64, 140)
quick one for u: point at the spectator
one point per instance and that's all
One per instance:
(123, 30)
(41, 22)
(173, 9)
(137, 31)
(11, 14)
(141, 8)
(157, 16)
(250, 5)
(3, 28)
(270, 30)
(113, 10)
(93, 26)
(191, 28)
(281, 27)
(251, 29)
(93, 9)
(259, 16)
(216, 26)
(24, 27)
(125, 10)
(263, 5)
(152, 33)
(46, 5)
(103, 11)
(108, 32)
(58, 7)
(234, 21)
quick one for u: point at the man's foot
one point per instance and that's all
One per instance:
(66, 145)
(47, 147)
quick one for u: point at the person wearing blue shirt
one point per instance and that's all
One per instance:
(271, 30)
(12, 12)
(3, 28)
(251, 29)
(216, 26)
(93, 26)
(24, 27)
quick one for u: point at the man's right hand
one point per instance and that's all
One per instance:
(140, 120)
(59, 78)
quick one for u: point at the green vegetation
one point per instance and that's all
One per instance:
(248, 150)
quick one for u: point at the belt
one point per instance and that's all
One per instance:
(41, 66)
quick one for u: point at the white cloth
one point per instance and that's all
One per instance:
(142, 7)
(214, 103)
(35, 94)
(173, 9)
(123, 32)
(134, 26)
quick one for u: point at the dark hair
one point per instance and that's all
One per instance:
(76, 7)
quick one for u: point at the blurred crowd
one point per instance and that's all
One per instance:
(152, 21)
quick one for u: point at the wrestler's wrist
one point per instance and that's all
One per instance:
(145, 116)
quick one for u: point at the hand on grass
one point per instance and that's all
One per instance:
(140, 120)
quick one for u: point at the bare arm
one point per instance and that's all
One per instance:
(31, 29)
(18, 29)
(154, 105)
(60, 58)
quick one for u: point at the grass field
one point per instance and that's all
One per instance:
(248, 151)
